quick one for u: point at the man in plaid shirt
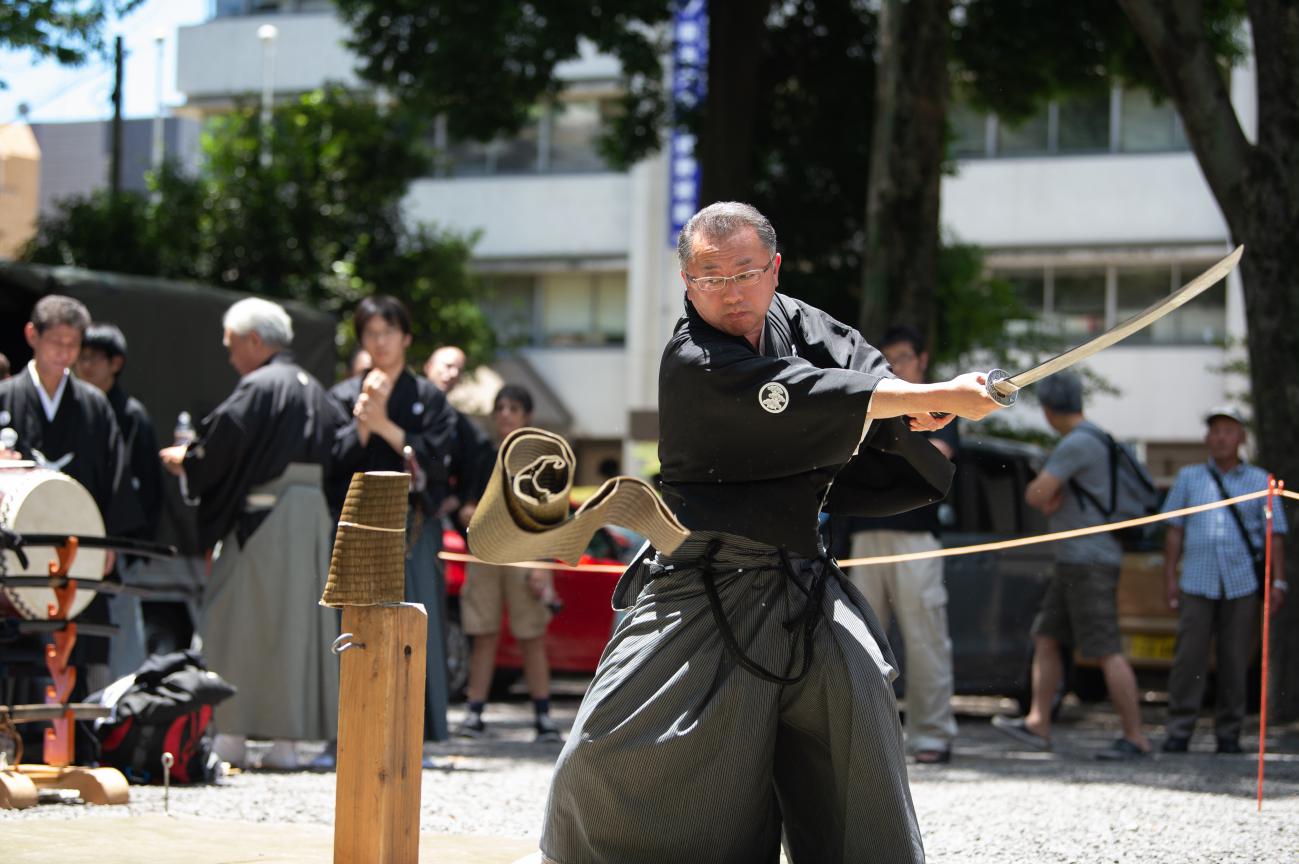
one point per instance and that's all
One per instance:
(1218, 588)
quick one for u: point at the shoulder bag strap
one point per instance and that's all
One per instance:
(1235, 514)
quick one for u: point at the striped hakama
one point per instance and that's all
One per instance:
(684, 751)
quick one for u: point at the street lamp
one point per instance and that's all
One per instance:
(159, 41)
(267, 33)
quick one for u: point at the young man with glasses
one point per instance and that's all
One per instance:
(747, 692)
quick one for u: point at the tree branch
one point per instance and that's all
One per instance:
(1175, 36)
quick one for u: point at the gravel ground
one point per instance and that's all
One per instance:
(996, 802)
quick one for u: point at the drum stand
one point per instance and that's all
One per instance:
(19, 784)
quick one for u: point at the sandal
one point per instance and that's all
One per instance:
(933, 757)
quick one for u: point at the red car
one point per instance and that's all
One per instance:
(577, 634)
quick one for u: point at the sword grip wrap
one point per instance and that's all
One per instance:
(1003, 399)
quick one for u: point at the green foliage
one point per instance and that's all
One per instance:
(1015, 55)
(484, 65)
(319, 222)
(814, 148)
(973, 307)
(67, 31)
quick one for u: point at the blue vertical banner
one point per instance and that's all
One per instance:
(689, 85)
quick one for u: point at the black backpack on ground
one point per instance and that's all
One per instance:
(1132, 492)
(165, 707)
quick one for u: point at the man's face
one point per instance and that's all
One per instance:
(96, 367)
(739, 311)
(508, 416)
(245, 351)
(386, 343)
(906, 363)
(1225, 436)
(445, 368)
(56, 349)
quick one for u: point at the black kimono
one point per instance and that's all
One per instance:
(423, 413)
(277, 415)
(746, 694)
(757, 444)
(142, 449)
(257, 467)
(429, 421)
(83, 441)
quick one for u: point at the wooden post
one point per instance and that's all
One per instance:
(380, 734)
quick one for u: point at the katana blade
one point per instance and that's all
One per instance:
(1003, 387)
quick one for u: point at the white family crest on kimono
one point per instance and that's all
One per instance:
(773, 397)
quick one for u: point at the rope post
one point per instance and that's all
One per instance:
(381, 677)
(1272, 491)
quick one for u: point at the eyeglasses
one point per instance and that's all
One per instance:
(741, 280)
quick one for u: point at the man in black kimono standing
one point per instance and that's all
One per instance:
(747, 690)
(256, 469)
(102, 359)
(67, 425)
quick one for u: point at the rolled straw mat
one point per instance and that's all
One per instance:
(368, 566)
(523, 514)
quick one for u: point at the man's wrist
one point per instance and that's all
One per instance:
(1280, 585)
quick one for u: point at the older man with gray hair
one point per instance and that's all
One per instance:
(745, 697)
(256, 469)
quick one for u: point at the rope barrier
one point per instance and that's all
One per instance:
(994, 546)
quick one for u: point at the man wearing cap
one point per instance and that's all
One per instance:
(1217, 598)
(745, 698)
(1080, 608)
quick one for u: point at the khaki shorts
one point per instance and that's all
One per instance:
(489, 590)
(1081, 609)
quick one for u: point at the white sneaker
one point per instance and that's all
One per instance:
(283, 756)
(231, 748)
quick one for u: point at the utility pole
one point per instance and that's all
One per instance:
(115, 161)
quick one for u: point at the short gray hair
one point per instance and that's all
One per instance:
(1062, 393)
(267, 319)
(720, 221)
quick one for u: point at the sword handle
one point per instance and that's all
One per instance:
(1003, 399)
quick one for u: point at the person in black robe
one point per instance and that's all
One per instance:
(67, 425)
(746, 694)
(256, 469)
(392, 411)
(102, 358)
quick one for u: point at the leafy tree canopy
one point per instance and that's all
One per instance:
(483, 65)
(68, 31)
(319, 221)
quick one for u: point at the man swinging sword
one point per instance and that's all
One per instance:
(747, 692)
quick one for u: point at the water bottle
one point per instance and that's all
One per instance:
(184, 429)
(184, 436)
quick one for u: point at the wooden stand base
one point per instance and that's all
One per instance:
(19, 787)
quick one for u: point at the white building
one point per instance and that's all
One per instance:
(1092, 210)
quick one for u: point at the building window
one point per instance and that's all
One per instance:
(1147, 125)
(1024, 138)
(1075, 303)
(561, 138)
(1120, 121)
(559, 309)
(1083, 124)
(1078, 308)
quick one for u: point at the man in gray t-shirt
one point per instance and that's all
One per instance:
(1080, 609)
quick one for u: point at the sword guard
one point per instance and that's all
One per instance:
(1003, 399)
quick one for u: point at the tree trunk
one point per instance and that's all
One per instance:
(736, 31)
(900, 266)
(1257, 187)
